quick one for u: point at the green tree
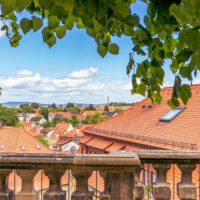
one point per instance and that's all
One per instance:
(168, 32)
(8, 116)
(74, 110)
(56, 120)
(53, 106)
(106, 109)
(118, 110)
(47, 124)
(35, 105)
(94, 118)
(45, 112)
(90, 107)
(42, 140)
(70, 105)
(66, 120)
(25, 108)
(75, 121)
(86, 120)
(97, 117)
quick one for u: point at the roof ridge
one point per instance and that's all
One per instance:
(131, 107)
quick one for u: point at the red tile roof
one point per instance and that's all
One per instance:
(142, 125)
(45, 130)
(26, 123)
(98, 143)
(73, 133)
(15, 137)
(115, 146)
(85, 139)
(60, 128)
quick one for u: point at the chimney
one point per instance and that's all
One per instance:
(108, 102)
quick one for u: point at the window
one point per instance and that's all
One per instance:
(23, 148)
(2, 146)
(172, 114)
(154, 178)
(146, 177)
(37, 146)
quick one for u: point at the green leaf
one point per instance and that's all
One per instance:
(138, 50)
(14, 41)
(184, 55)
(183, 14)
(123, 8)
(37, 23)
(185, 93)
(134, 83)
(4, 28)
(22, 4)
(186, 72)
(53, 22)
(113, 48)
(158, 98)
(60, 31)
(69, 22)
(141, 89)
(69, 5)
(47, 34)
(176, 87)
(26, 25)
(8, 6)
(174, 66)
(79, 23)
(51, 41)
(102, 50)
(173, 103)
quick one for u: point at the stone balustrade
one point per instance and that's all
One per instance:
(121, 171)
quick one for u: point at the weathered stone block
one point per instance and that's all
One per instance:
(187, 191)
(7, 195)
(50, 195)
(139, 191)
(162, 191)
(25, 196)
(78, 196)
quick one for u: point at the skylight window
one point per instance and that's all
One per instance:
(37, 146)
(23, 148)
(2, 146)
(172, 114)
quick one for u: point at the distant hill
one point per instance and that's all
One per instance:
(17, 104)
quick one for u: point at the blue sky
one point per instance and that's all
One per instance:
(71, 71)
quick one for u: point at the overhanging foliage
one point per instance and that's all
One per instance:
(170, 31)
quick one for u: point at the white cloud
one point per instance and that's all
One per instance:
(84, 73)
(26, 85)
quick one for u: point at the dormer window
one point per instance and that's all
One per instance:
(172, 114)
(23, 148)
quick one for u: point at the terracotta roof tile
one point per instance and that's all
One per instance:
(99, 143)
(85, 139)
(115, 146)
(145, 122)
(15, 137)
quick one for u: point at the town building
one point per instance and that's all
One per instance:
(149, 126)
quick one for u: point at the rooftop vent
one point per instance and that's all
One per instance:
(143, 106)
(2, 146)
(172, 114)
(23, 148)
(149, 107)
(37, 146)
